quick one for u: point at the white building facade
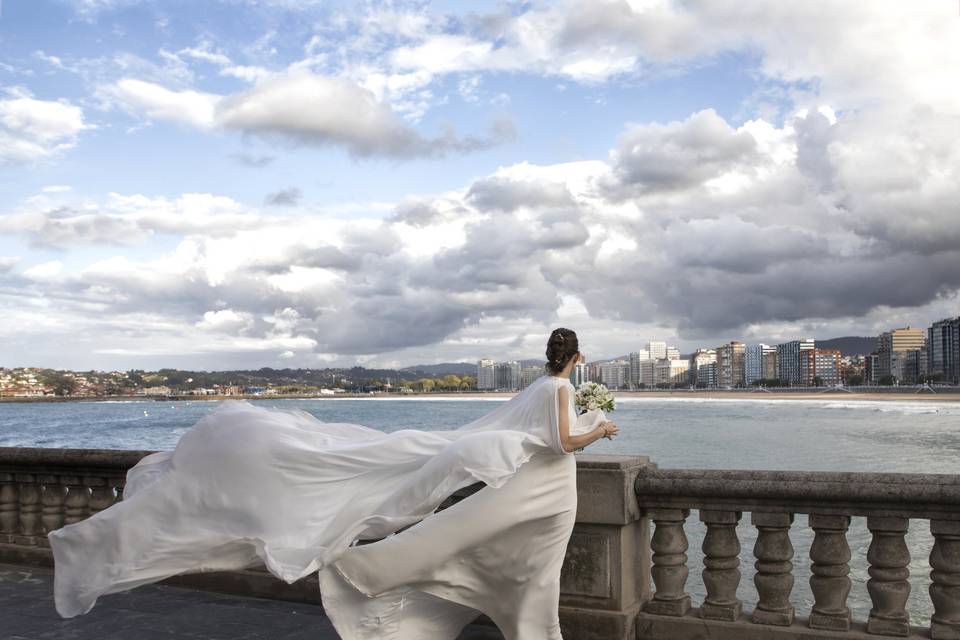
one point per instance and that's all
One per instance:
(615, 374)
(635, 359)
(486, 376)
(672, 371)
(656, 350)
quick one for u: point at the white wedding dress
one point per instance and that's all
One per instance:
(247, 484)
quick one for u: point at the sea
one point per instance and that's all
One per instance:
(832, 434)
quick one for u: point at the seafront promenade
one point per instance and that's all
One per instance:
(161, 612)
(627, 573)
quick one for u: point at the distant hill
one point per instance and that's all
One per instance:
(850, 345)
(443, 369)
(458, 368)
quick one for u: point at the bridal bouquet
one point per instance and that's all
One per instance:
(591, 395)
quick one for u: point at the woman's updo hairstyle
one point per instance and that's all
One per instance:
(561, 346)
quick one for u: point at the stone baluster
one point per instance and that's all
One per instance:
(888, 585)
(29, 509)
(830, 582)
(52, 496)
(77, 504)
(101, 493)
(669, 571)
(9, 507)
(774, 577)
(721, 562)
(945, 589)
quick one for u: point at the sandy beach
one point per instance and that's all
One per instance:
(911, 395)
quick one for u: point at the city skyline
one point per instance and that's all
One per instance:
(240, 184)
(673, 351)
(902, 355)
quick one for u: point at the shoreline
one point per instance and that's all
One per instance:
(829, 396)
(907, 395)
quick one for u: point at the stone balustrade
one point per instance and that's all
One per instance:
(888, 502)
(605, 577)
(619, 581)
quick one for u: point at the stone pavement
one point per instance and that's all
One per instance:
(153, 612)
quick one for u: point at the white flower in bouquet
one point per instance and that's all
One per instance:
(592, 396)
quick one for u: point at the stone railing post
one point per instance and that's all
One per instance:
(52, 497)
(889, 588)
(669, 570)
(721, 562)
(77, 503)
(945, 574)
(101, 493)
(606, 572)
(9, 508)
(29, 510)
(774, 578)
(830, 582)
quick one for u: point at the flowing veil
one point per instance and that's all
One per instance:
(247, 484)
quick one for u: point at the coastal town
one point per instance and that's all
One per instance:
(899, 357)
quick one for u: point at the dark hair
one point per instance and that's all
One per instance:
(561, 346)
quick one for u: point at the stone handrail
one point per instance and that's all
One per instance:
(887, 500)
(618, 581)
(604, 580)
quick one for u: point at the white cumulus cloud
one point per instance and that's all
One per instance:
(33, 129)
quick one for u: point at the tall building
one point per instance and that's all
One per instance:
(671, 372)
(870, 367)
(819, 364)
(943, 350)
(788, 359)
(647, 372)
(529, 374)
(911, 366)
(753, 368)
(770, 364)
(892, 347)
(657, 350)
(730, 364)
(486, 375)
(700, 358)
(593, 372)
(614, 374)
(707, 375)
(507, 375)
(581, 374)
(635, 359)
(673, 353)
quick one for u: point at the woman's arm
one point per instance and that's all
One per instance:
(572, 443)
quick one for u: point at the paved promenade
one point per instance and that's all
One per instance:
(153, 612)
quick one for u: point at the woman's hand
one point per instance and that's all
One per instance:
(610, 429)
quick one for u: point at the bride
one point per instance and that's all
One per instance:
(249, 485)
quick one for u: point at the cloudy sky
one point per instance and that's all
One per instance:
(246, 183)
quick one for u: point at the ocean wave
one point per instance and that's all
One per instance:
(884, 406)
(896, 406)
